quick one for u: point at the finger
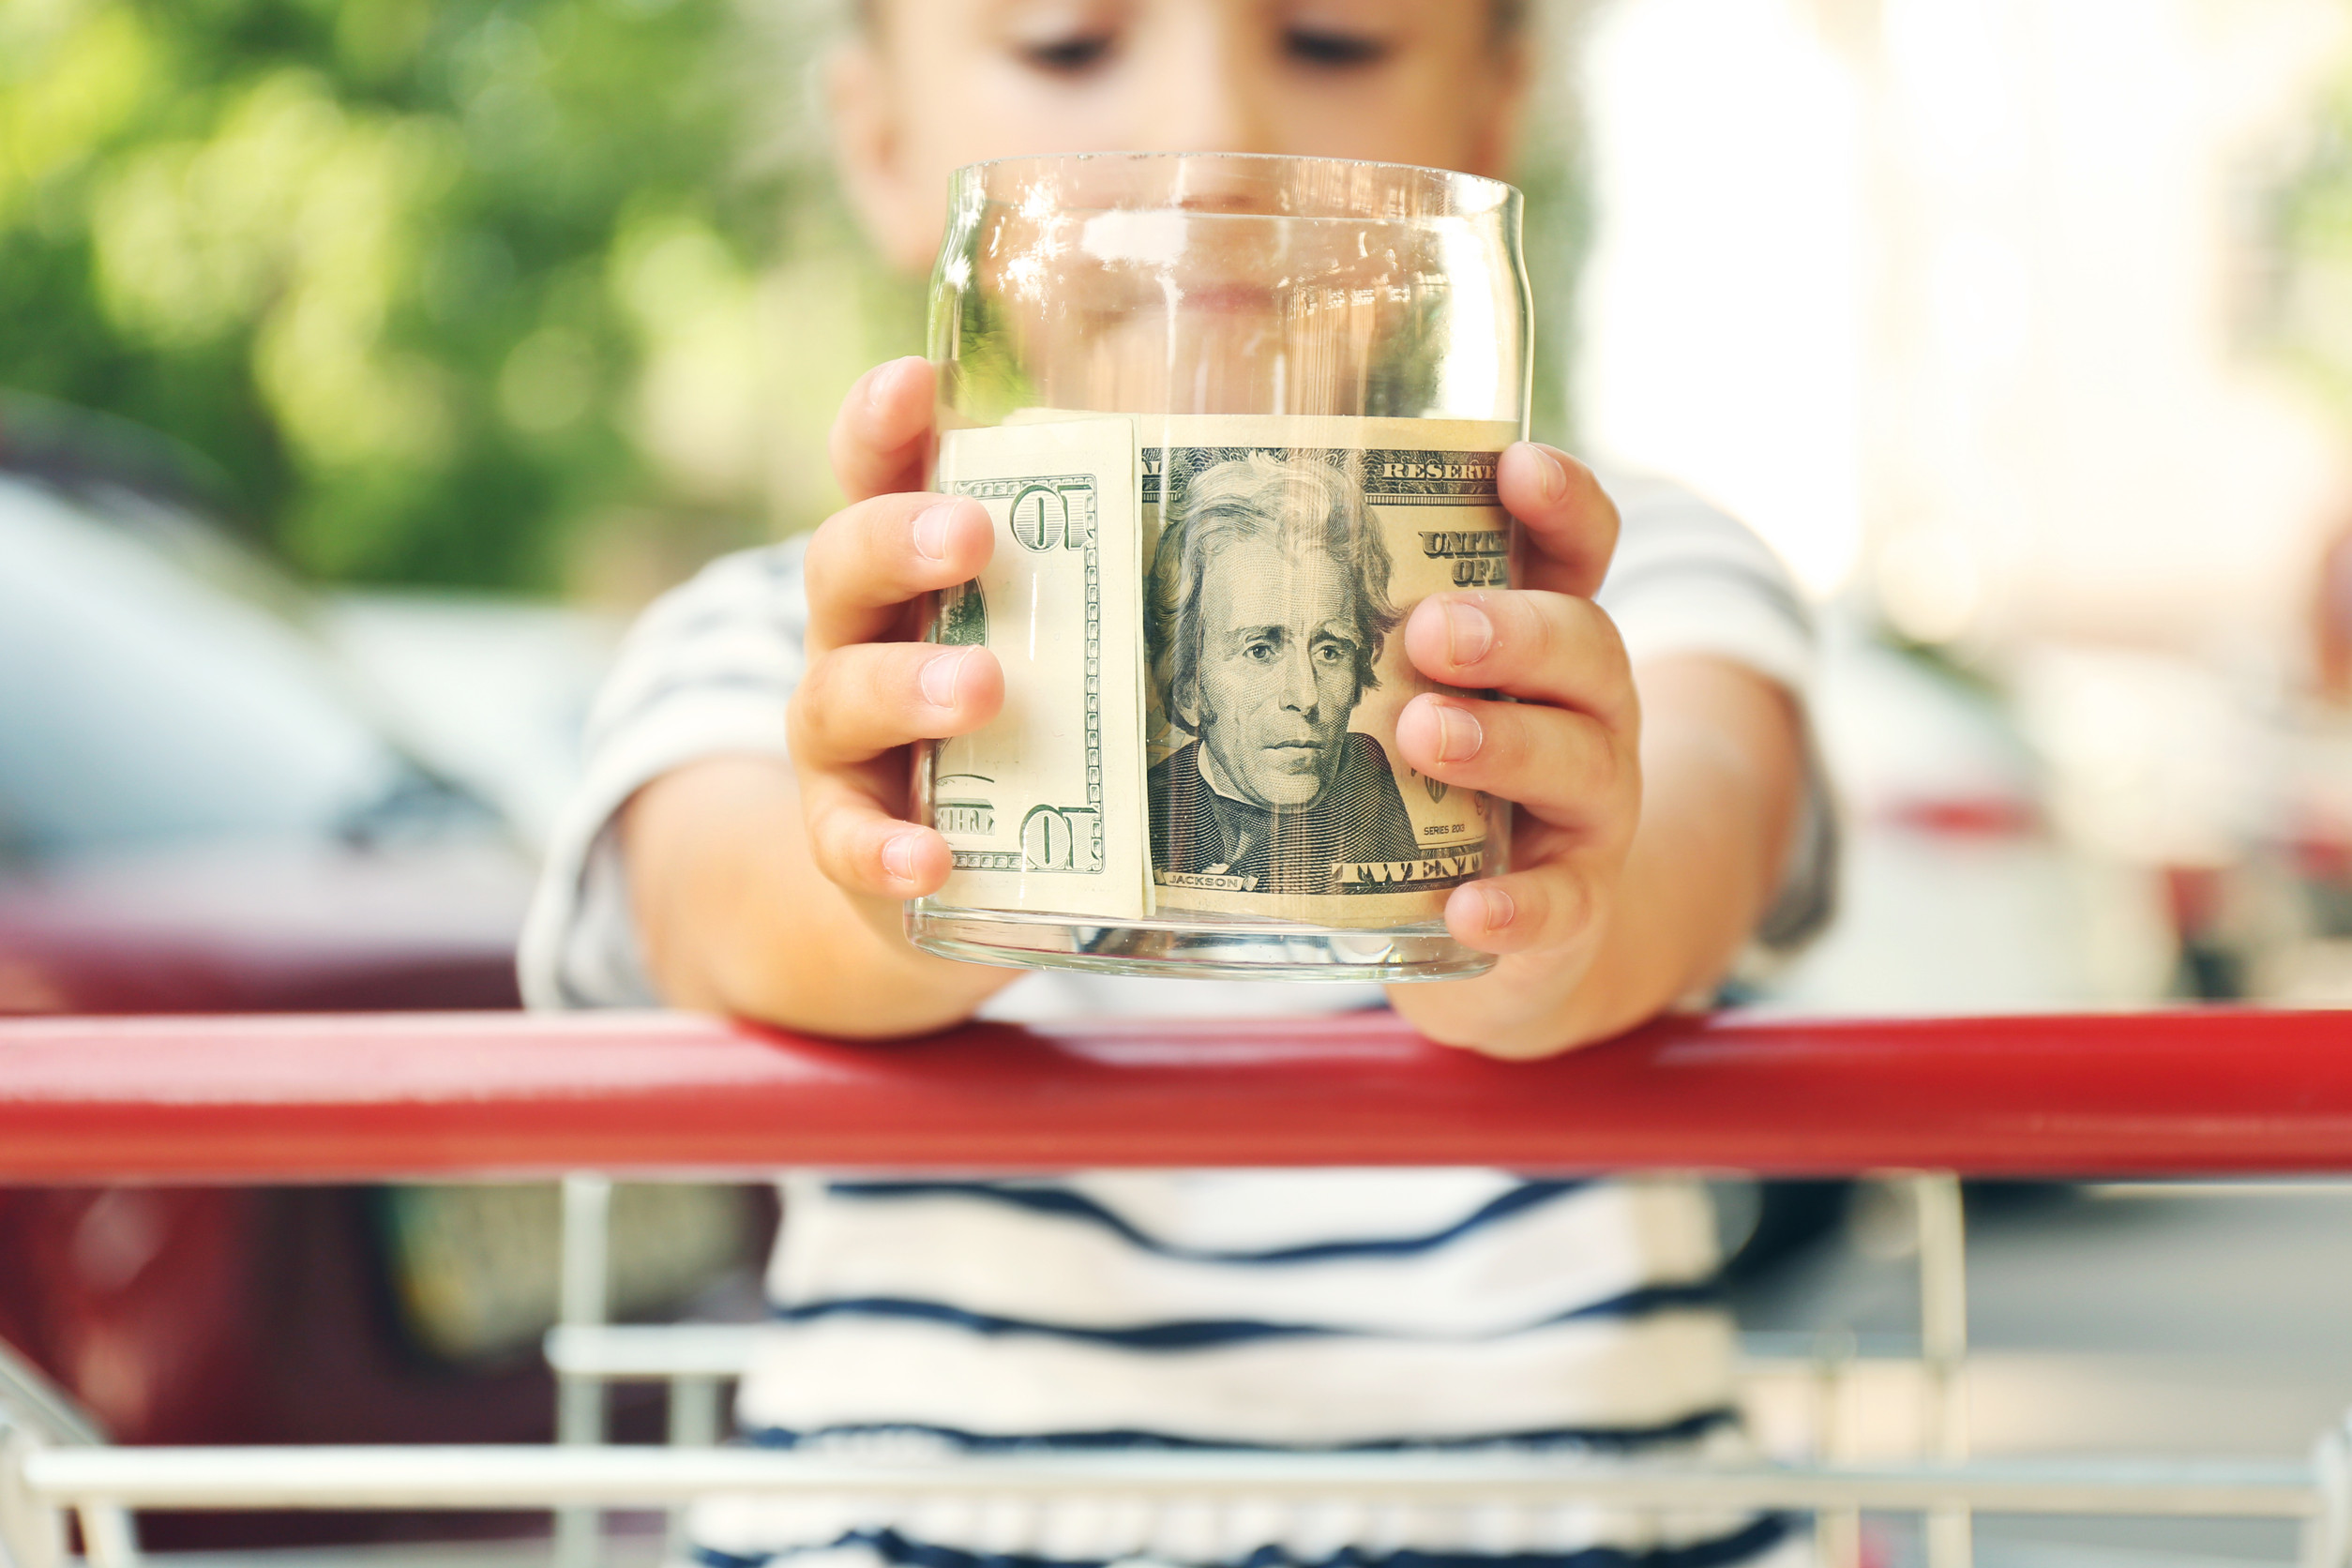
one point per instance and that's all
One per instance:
(1550, 906)
(862, 847)
(867, 561)
(1541, 646)
(1565, 767)
(1570, 520)
(881, 438)
(858, 701)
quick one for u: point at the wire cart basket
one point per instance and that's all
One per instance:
(2140, 1096)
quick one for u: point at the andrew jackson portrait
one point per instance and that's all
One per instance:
(1269, 605)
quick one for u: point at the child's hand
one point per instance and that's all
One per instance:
(1649, 831)
(871, 689)
(776, 891)
(1566, 753)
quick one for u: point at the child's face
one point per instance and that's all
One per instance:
(939, 83)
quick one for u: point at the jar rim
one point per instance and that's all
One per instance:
(1443, 193)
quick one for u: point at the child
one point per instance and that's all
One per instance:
(740, 845)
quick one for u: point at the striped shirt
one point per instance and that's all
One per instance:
(1232, 1309)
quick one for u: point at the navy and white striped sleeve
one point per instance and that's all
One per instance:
(706, 672)
(1688, 578)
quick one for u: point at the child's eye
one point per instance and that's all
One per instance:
(1333, 49)
(1073, 55)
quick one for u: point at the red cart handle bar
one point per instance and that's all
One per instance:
(332, 1098)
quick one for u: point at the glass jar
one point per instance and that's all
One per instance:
(1234, 418)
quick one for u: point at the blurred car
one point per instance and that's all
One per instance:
(194, 815)
(201, 811)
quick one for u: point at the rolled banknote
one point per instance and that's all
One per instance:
(1203, 666)
(1043, 807)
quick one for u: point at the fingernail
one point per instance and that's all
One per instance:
(1469, 634)
(880, 380)
(930, 531)
(1552, 475)
(897, 856)
(1500, 909)
(939, 679)
(1459, 735)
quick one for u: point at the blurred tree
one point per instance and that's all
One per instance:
(501, 294)
(1558, 237)
(2308, 306)
(400, 266)
(2305, 311)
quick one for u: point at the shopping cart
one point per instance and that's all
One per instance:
(586, 1098)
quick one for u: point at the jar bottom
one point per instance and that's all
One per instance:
(1193, 948)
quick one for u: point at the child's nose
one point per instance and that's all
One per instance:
(1201, 94)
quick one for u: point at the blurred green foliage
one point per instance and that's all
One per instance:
(1558, 237)
(2308, 311)
(400, 268)
(498, 294)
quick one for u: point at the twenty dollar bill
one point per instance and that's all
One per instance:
(1283, 556)
(1200, 620)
